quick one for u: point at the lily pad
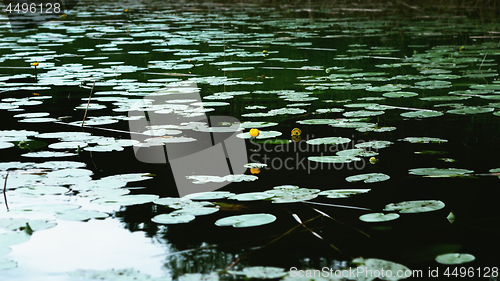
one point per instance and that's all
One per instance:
(173, 218)
(373, 144)
(328, 140)
(455, 258)
(342, 193)
(368, 178)
(421, 114)
(378, 217)
(423, 140)
(471, 110)
(209, 195)
(81, 215)
(400, 94)
(418, 206)
(252, 196)
(7, 264)
(261, 272)
(12, 238)
(127, 200)
(436, 172)
(247, 220)
(333, 159)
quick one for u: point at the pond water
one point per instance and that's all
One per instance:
(390, 105)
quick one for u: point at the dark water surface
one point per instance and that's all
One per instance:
(308, 58)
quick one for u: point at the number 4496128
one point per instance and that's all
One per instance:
(41, 8)
(460, 271)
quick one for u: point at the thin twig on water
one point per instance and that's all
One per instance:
(483, 60)
(5, 191)
(88, 103)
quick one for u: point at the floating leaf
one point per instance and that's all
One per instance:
(373, 144)
(342, 193)
(471, 110)
(436, 172)
(368, 178)
(400, 94)
(362, 113)
(421, 114)
(127, 200)
(261, 272)
(423, 140)
(81, 215)
(251, 196)
(418, 206)
(247, 220)
(12, 238)
(378, 217)
(7, 264)
(209, 195)
(333, 159)
(455, 258)
(173, 218)
(328, 140)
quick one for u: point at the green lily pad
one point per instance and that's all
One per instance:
(127, 274)
(328, 140)
(252, 196)
(7, 264)
(249, 125)
(363, 113)
(127, 200)
(378, 217)
(342, 193)
(368, 178)
(373, 144)
(4, 145)
(373, 265)
(81, 215)
(423, 140)
(15, 224)
(172, 218)
(435, 172)
(418, 206)
(209, 195)
(445, 98)
(357, 152)
(195, 211)
(317, 121)
(42, 190)
(421, 114)
(199, 277)
(247, 220)
(12, 238)
(400, 94)
(261, 272)
(471, 110)
(333, 159)
(455, 258)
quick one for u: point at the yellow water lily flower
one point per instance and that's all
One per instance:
(296, 132)
(254, 170)
(254, 132)
(35, 64)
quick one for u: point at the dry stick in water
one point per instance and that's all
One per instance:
(88, 103)
(5, 191)
(483, 60)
